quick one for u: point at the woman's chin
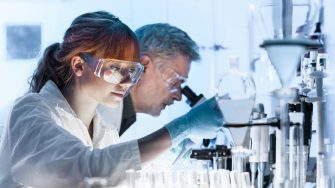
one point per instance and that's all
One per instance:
(113, 104)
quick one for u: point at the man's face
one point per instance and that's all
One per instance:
(160, 84)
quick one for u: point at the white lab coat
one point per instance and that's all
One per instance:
(46, 145)
(111, 116)
(4, 113)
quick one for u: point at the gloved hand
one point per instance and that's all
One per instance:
(203, 121)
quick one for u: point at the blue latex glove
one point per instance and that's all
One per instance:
(203, 121)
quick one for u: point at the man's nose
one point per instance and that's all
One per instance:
(177, 95)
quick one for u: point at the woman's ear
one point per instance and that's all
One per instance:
(77, 65)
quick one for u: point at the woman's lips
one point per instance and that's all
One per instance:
(118, 94)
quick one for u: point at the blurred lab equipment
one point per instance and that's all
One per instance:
(295, 45)
(234, 90)
(286, 149)
(285, 51)
(259, 139)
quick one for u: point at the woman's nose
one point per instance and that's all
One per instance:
(126, 79)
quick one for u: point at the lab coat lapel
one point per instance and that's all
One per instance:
(68, 117)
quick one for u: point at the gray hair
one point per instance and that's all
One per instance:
(162, 40)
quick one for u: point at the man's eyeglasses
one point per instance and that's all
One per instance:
(116, 71)
(172, 78)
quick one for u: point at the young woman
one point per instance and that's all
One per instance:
(55, 137)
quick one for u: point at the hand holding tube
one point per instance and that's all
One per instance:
(203, 121)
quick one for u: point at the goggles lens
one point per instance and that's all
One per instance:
(119, 71)
(172, 79)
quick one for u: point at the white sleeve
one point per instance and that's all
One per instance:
(45, 155)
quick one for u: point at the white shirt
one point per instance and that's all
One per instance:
(46, 145)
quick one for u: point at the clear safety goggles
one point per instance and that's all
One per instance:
(116, 71)
(172, 78)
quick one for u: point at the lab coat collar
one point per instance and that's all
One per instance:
(101, 128)
(51, 92)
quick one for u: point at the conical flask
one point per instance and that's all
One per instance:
(235, 94)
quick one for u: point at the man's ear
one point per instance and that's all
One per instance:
(77, 65)
(146, 61)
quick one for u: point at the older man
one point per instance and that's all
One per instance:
(166, 53)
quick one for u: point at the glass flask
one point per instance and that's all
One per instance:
(235, 94)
